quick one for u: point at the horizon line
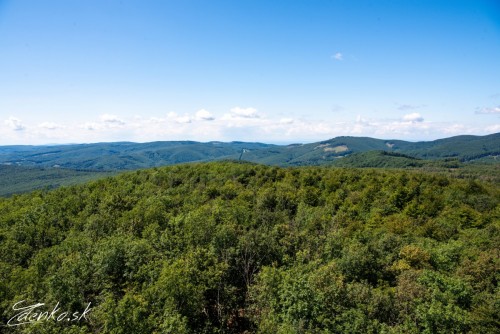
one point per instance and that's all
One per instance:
(241, 141)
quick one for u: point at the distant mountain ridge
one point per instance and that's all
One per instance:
(128, 156)
(463, 148)
(121, 155)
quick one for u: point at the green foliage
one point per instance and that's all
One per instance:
(18, 179)
(233, 247)
(380, 159)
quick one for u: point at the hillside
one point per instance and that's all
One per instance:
(463, 148)
(242, 248)
(380, 159)
(130, 156)
(121, 155)
(19, 179)
(52, 166)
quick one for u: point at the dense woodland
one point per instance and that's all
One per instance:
(19, 179)
(229, 247)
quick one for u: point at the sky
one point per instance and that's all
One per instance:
(83, 71)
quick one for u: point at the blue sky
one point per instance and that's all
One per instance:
(270, 71)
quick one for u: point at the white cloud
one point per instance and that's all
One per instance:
(49, 125)
(204, 115)
(111, 119)
(455, 129)
(494, 110)
(286, 121)
(15, 124)
(413, 117)
(338, 56)
(156, 120)
(244, 112)
(106, 121)
(244, 124)
(91, 126)
(185, 119)
(493, 128)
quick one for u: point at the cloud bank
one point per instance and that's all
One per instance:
(238, 123)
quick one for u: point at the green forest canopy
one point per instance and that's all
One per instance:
(232, 247)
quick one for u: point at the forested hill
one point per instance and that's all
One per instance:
(129, 156)
(121, 155)
(18, 179)
(242, 248)
(462, 148)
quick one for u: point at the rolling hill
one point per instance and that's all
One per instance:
(121, 155)
(129, 156)
(463, 148)
(25, 168)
